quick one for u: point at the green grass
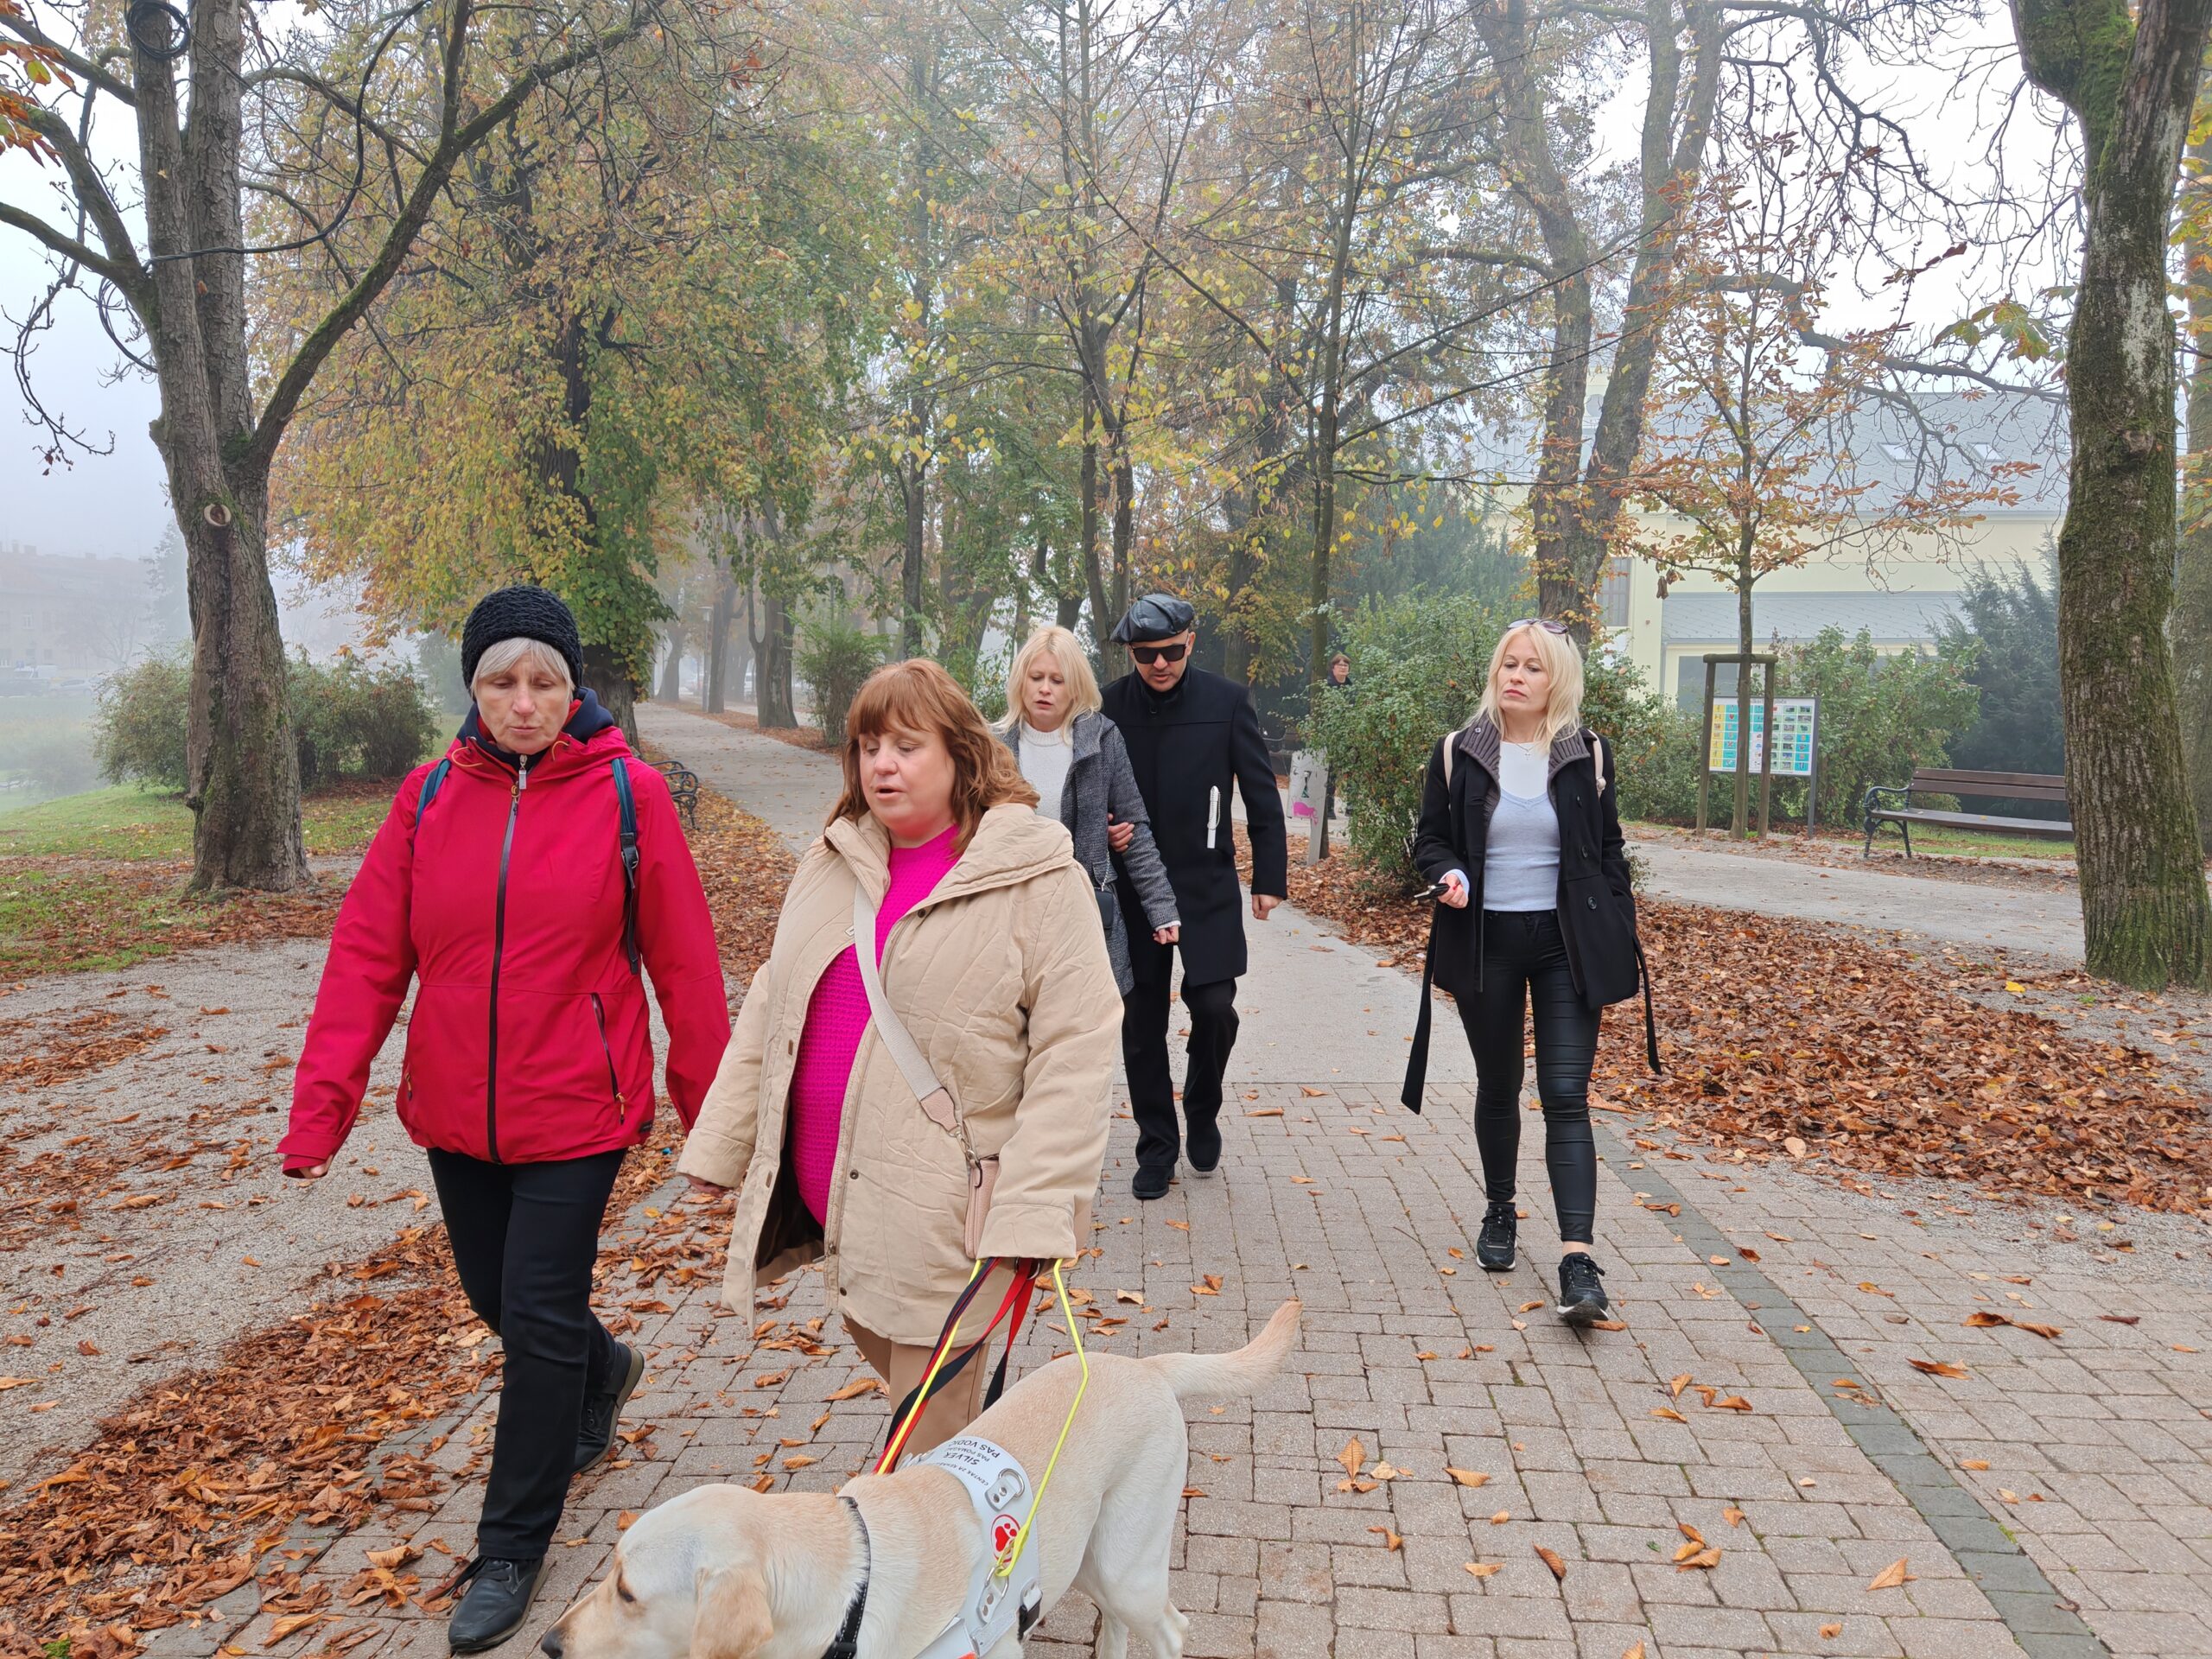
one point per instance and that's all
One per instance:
(1968, 843)
(129, 823)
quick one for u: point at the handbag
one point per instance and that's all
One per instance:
(934, 1098)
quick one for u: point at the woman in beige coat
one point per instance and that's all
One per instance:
(992, 957)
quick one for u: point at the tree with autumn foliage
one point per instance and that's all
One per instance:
(353, 122)
(1758, 453)
(628, 310)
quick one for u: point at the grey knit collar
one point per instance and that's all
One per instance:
(1481, 741)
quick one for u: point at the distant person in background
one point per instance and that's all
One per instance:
(1074, 758)
(1519, 838)
(1340, 670)
(1192, 737)
(498, 886)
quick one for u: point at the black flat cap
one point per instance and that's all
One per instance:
(1156, 616)
(521, 612)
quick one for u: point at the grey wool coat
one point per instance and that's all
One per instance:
(1099, 782)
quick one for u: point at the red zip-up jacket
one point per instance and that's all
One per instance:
(530, 1039)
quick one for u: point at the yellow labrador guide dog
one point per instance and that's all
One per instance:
(889, 1567)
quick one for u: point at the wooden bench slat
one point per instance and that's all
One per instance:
(2049, 828)
(2021, 786)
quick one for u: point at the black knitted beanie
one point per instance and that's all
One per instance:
(521, 612)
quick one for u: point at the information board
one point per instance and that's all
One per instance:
(1795, 721)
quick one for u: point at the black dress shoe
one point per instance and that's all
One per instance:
(595, 1439)
(1151, 1180)
(496, 1603)
(1582, 1290)
(1494, 1245)
(1202, 1144)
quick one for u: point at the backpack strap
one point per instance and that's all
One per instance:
(628, 805)
(1448, 737)
(1597, 758)
(431, 786)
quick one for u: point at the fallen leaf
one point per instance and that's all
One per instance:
(1973, 1463)
(1872, 1289)
(291, 1625)
(1390, 1539)
(1530, 1307)
(857, 1387)
(1669, 1413)
(1709, 1557)
(1732, 1516)
(1501, 1518)
(1829, 1632)
(1466, 1477)
(1891, 1576)
(1550, 1558)
(1793, 1146)
(1265, 1111)
(1676, 1385)
(1937, 1367)
(1352, 1457)
(1134, 1298)
(1484, 1569)
(625, 1521)
(1635, 1650)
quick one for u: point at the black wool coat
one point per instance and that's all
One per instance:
(1188, 750)
(1597, 905)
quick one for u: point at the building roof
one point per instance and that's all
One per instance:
(1702, 619)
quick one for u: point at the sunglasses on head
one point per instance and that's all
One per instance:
(1150, 654)
(1543, 622)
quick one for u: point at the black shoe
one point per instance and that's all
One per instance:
(603, 1411)
(1202, 1145)
(1581, 1291)
(1151, 1180)
(1494, 1245)
(496, 1602)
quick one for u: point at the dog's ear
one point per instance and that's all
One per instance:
(730, 1618)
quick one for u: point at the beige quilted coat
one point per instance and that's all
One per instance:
(1003, 977)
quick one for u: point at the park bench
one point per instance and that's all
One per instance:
(1893, 803)
(682, 789)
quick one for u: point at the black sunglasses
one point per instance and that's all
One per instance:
(1150, 654)
(1543, 622)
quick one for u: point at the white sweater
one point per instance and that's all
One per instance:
(1045, 758)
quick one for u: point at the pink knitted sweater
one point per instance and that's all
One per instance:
(836, 1019)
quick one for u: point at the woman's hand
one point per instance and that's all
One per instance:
(1119, 835)
(1168, 934)
(312, 1173)
(1455, 891)
(705, 1189)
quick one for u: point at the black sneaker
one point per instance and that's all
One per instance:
(497, 1601)
(1582, 1290)
(595, 1439)
(1202, 1144)
(1151, 1180)
(1494, 1245)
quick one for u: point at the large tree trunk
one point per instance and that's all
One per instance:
(672, 667)
(1103, 620)
(773, 650)
(717, 686)
(2132, 83)
(2190, 630)
(1125, 526)
(606, 673)
(242, 769)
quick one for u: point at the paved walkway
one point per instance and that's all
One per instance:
(1960, 912)
(2038, 1494)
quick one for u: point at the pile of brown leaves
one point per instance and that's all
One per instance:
(77, 913)
(1791, 1039)
(745, 867)
(39, 1054)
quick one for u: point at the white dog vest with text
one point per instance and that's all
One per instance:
(1003, 1496)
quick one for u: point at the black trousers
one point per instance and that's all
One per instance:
(1145, 1010)
(525, 1237)
(1525, 968)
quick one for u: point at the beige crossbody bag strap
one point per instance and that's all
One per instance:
(934, 1098)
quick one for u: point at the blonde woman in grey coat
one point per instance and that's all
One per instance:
(1073, 757)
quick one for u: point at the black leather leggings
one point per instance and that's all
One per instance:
(1524, 965)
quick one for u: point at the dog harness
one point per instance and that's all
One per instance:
(997, 1603)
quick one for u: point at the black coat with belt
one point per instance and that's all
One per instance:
(1597, 905)
(1189, 748)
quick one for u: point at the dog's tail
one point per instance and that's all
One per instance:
(1222, 1376)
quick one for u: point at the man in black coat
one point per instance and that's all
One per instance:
(1192, 736)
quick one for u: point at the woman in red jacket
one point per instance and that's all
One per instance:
(521, 890)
